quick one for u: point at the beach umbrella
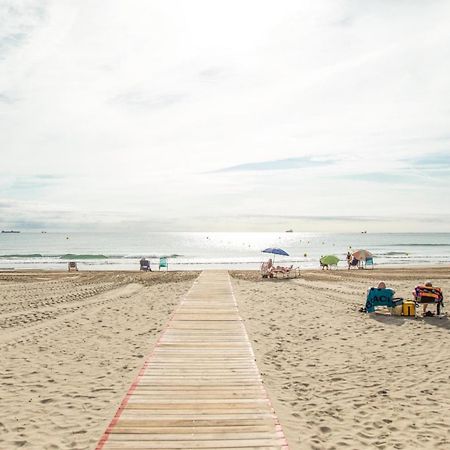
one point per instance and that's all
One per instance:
(275, 251)
(362, 255)
(329, 260)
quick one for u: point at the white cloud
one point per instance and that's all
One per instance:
(133, 105)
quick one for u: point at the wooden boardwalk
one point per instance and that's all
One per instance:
(200, 388)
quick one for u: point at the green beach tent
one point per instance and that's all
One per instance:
(329, 260)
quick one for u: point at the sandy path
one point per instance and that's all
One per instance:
(342, 379)
(70, 347)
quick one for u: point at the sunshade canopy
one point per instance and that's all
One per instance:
(275, 251)
(362, 255)
(329, 260)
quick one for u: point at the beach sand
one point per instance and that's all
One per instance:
(71, 345)
(341, 379)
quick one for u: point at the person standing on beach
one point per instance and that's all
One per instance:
(349, 259)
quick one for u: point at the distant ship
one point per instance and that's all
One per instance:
(289, 231)
(10, 231)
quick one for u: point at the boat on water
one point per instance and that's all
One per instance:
(10, 231)
(289, 231)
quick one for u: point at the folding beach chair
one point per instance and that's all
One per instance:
(72, 265)
(163, 263)
(369, 262)
(265, 270)
(381, 297)
(145, 265)
(431, 295)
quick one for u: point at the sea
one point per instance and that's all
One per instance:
(214, 250)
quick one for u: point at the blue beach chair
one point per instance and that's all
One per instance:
(369, 262)
(381, 297)
(163, 263)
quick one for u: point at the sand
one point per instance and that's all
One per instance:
(341, 379)
(70, 346)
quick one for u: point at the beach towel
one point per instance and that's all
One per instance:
(381, 297)
(427, 294)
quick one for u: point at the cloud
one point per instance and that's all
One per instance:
(142, 99)
(378, 177)
(212, 73)
(132, 102)
(6, 98)
(278, 164)
(435, 160)
(18, 20)
(29, 185)
(330, 218)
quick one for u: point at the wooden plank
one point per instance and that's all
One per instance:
(200, 388)
(192, 435)
(161, 422)
(216, 444)
(195, 430)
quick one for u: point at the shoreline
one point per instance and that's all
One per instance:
(392, 267)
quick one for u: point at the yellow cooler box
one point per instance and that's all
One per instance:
(409, 308)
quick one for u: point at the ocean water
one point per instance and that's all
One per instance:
(198, 251)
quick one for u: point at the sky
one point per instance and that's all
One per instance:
(321, 115)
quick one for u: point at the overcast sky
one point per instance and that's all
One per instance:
(225, 115)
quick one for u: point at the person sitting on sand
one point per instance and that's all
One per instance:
(433, 295)
(145, 264)
(380, 296)
(270, 268)
(283, 269)
(380, 285)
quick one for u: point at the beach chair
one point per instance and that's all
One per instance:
(430, 295)
(145, 265)
(292, 272)
(369, 262)
(163, 263)
(285, 272)
(280, 271)
(381, 297)
(266, 270)
(72, 265)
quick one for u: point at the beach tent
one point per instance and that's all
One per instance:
(329, 260)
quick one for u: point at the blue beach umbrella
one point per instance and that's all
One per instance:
(275, 251)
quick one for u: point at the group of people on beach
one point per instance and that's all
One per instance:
(351, 262)
(424, 294)
(269, 270)
(354, 262)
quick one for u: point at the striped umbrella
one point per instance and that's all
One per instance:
(362, 255)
